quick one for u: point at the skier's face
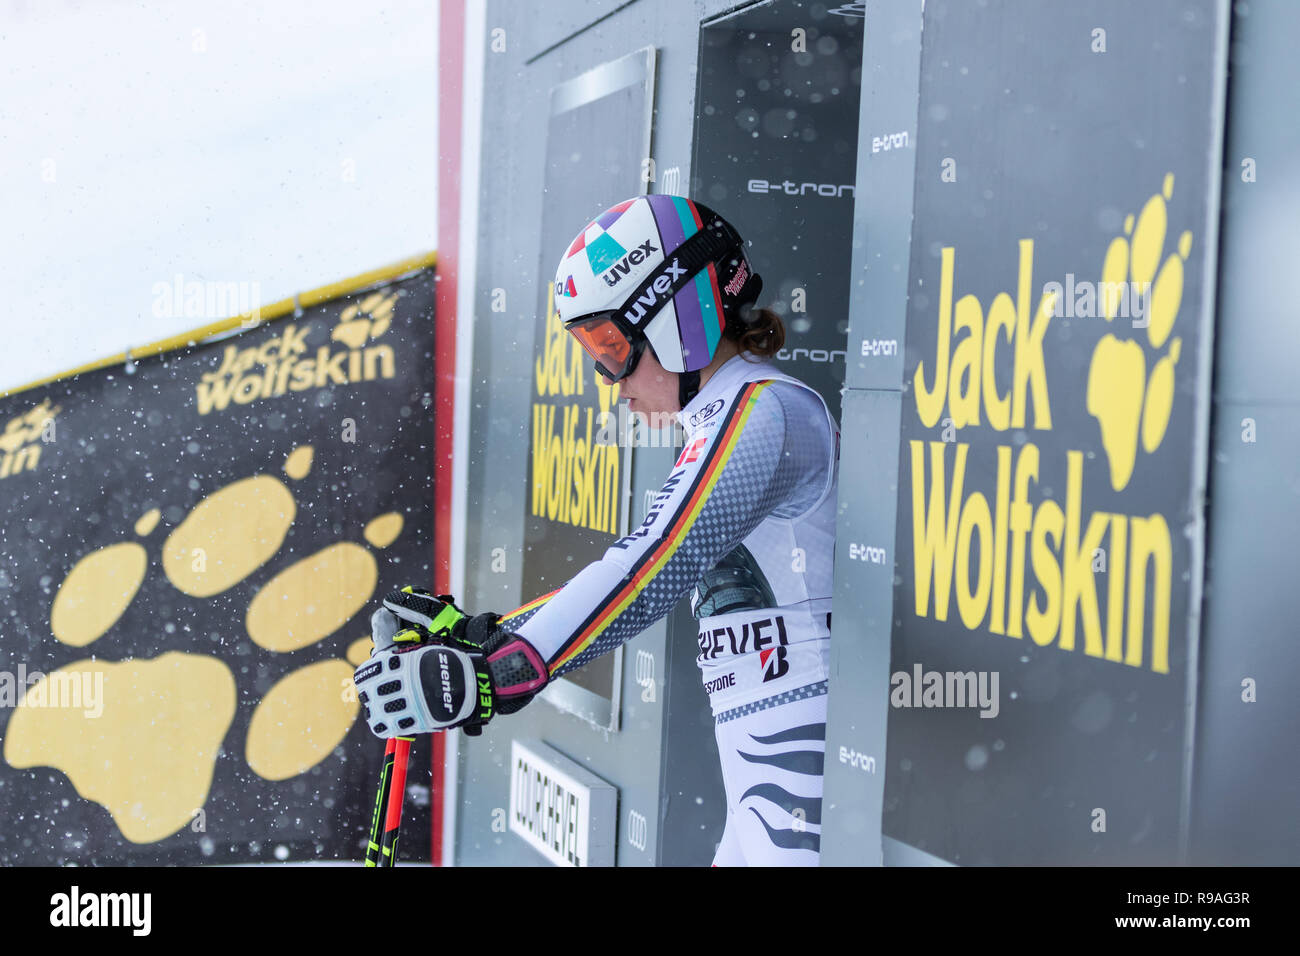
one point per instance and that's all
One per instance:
(649, 389)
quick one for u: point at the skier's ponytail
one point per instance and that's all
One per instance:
(763, 333)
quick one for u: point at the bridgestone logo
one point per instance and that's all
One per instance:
(721, 683)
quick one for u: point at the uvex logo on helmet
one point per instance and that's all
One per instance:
(624, 265)
(636, 311)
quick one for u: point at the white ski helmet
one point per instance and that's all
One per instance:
(661, 271)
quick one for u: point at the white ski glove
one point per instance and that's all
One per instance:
(419, 681)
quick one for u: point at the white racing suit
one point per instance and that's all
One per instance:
(747, 520)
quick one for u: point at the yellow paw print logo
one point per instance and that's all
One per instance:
(1128, 403)
(27, 427)
(150, 756)
(364, 320)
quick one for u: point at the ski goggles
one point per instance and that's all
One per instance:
(615, 349)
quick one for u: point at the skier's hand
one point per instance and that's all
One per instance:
(427, 686)
(414, 606)
(387, 631)
(460, 676)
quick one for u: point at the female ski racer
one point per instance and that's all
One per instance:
(658, 291)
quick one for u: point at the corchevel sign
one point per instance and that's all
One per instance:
(562, 810)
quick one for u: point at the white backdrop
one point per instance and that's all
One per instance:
(282, 145)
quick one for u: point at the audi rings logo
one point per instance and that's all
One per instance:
(637, 829)
(645, 675)
(707, 412)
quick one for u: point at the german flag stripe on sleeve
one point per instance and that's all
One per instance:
(534, 603)
(653, 560)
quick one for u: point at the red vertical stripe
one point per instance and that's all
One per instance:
(717, 299)
(451, 59)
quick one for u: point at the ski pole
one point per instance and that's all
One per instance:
(381, 850)
(396, 795)
(380, 815)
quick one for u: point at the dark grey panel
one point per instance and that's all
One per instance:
(694, 809)
(539, 27)
(1246, 786)
(687, 822)
(1258, 350)
(597, 140)
(900, 854)
(1246, 782)
(775, 153)
(514, 111)
(773, 126)
(857, 709)
(516, 105)
(1090, 629)
(882, 215)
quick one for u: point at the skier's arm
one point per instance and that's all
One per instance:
(728, 478)
(519, 616)
(756, 461)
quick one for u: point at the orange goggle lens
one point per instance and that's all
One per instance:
(605, 343)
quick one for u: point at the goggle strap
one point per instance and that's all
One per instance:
(707, 245)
